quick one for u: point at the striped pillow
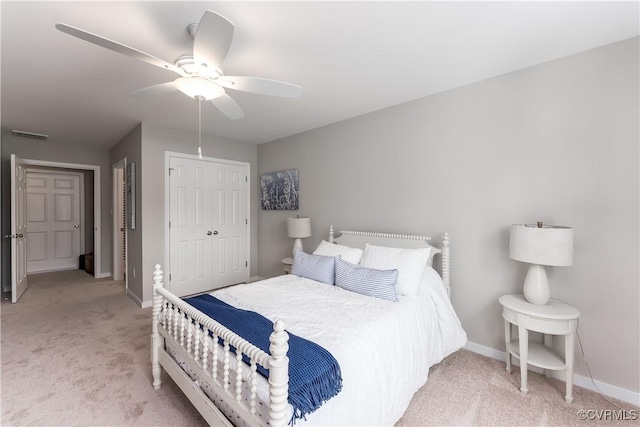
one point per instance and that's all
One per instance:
(366, 281)
(315, 267)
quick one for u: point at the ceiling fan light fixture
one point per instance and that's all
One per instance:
(198, 86)
(202, 77)
(187, 64)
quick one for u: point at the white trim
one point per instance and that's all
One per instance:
(96, 205)
(609, 390)
(115, 192)
(486, 351)
(138, 301)
(52, 270)
(103, 274)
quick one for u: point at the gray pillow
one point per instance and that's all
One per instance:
(315, 267)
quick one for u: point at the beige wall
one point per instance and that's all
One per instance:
(156, 140)
(556, 143)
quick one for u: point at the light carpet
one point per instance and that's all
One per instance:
(75, 351)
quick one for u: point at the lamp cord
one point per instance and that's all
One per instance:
(584, 358)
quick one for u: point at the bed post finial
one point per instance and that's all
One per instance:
(156, 339)
(278, 375)
(331, 234)
(446, 263)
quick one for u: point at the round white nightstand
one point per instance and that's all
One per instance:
(287, 265)
(554, 318)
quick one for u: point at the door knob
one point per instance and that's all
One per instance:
(209, 233)
(215, 233)
(20, 235)
(8, 236)
(76, 226)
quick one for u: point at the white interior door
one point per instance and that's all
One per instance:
(231, 223)
(208, 225)
(190, 226)
(18, 228)
(53, 221)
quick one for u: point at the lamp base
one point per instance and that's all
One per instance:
(536, 285)
(297, 245)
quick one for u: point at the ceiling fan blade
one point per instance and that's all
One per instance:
(260, 86)
(228, 107)
(159, 89)
(118, 47)
(212, 40)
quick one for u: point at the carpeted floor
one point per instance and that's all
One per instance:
(75, 351)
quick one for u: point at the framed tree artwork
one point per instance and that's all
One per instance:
(279, 190)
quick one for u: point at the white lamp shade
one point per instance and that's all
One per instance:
(198, 86)
(546, 245)
(298, 228)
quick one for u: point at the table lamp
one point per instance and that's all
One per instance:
(540, 245)
(298, 228)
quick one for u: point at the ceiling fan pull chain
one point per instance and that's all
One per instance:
(200, 127)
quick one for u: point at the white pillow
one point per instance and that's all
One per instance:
(432, 253)
(349, 254)
(410, 264)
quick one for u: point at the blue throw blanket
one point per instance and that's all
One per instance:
(314, 374)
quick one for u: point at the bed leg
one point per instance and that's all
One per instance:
(156, 339)
(278, 375)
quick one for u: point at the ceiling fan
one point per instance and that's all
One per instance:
(201, 75)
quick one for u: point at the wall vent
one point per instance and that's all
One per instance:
(31, 135)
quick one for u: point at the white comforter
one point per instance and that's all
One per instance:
(384, 348)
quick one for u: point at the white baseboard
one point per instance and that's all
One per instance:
(138, 301)
(616, 392)
(255, 279)
(102, 275)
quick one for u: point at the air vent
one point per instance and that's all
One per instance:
(31, 135)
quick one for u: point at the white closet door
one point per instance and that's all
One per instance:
(191, 205)
(231, 224)
(208, 234)
(53, 221)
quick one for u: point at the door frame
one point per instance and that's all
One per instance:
(97, 267)
(116, 189)
(81, 199)
(167, 208)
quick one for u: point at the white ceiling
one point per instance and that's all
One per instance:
(350, 58)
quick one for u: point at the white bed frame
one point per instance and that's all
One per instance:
(178, 328)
